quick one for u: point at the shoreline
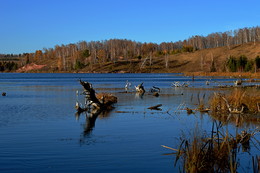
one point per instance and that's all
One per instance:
(249, 75)
(225, 74)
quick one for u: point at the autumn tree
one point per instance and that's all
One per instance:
(38, 55)
(101, 54)
(114, 49)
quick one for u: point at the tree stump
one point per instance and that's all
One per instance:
(101, 101)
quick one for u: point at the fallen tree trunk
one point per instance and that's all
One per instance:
(90, 94)
(102, 101)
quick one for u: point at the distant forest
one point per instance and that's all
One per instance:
(81, 54)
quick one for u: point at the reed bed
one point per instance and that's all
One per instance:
(216, 152)
(237, 102)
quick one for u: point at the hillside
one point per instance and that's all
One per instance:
(230, 51)
(196, 61)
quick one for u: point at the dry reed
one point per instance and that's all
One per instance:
(238, 101)
(214, 153)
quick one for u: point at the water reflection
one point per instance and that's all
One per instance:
(239, 120)
(139, 95)
(44, 101)
(90, 121)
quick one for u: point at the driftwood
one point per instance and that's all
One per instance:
(127, 86)
(154, 89)
(204, 110)
(156, 94)
(233, 110)
(238, 82)
(189, 111)
(95, 105)
(200, 109)
(79, 108)
(90, 94)
(101, 101)
(178, 84)
(156, 107)
(140, 88)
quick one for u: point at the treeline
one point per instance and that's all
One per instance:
(242, 64)
(81, 54)
(11, 55)
(8, 66)
(229, 38)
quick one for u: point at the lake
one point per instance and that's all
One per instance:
(41, 132)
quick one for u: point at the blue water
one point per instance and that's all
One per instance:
(39, 131)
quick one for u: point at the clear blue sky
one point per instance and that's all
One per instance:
(29, 25)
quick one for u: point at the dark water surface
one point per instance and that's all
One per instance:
(39, 131)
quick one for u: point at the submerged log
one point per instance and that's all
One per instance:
(102, 101)
(95, 104)
(90, 94)
(156, 107)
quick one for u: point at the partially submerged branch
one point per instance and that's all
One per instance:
(233, 110)
(156, 107)
(102, 101)
(140, 88)
(90, 94)
(237, 102)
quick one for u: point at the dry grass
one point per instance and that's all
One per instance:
(198, 61)
(203, 154)
(225, 74)
(236, 101)
(214, 153)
